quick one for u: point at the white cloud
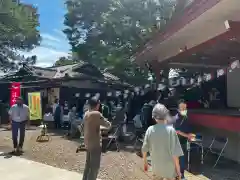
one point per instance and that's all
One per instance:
(45, 56)
(51, 49)
(59, 32)
(50, 37)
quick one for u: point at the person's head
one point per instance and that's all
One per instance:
(182, 105)
(160, 113)
(19, 101)
(74, 109)
(94, 104)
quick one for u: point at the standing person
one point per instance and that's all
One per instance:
(55, 104)
(72, 115)
(57, 115)
(121, 119)
(146, 114)
(85, 107)
(163, 144)
(93, 119)
(183, 130)
(65, 118)
(105, 109)
(19, 116)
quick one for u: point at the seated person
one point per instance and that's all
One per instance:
(48, 117)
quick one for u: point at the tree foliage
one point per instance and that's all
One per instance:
(108, 32)
(63, 61)
(18, 32)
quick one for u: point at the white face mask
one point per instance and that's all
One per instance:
(183, 113)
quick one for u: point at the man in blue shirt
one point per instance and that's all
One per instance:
(183, 130)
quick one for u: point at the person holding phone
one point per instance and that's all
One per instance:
(162, 142)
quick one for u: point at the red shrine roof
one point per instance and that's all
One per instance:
(205, 24)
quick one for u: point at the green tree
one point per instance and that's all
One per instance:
(108, 32)
(18, 32)
(62, 61)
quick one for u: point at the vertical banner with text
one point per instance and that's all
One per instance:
(35, 105)
(15, 92)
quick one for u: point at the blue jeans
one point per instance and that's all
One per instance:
(15, 127)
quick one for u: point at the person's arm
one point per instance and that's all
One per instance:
(10, 115)
(104, 122)
(177, 165)
(145, 149)
(86, 133)
(145, 161)
(183, 134)
(176, 150)
(185, 130)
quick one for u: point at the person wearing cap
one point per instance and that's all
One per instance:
(162, 142)
(19, 115)
(93, 119)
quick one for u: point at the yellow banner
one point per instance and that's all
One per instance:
(35, 105)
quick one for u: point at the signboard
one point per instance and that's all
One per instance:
(35, 105)
(15, 92)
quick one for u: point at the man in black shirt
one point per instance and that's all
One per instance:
(183, 130)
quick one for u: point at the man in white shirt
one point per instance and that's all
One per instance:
(19, 116)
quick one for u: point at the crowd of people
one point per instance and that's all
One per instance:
(172, 130)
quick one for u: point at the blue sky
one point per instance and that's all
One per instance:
(54, 43)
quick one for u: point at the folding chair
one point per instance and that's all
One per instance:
(113, 137)
(217, 147)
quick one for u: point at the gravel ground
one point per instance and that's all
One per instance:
(60, 152)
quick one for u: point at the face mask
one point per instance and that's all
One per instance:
(183, 113)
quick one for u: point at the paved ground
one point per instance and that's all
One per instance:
(124, 165)
(17, 168)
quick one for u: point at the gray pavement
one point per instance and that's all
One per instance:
(17, 168)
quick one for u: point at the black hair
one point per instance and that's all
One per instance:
(93, 102)
(181, 101)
